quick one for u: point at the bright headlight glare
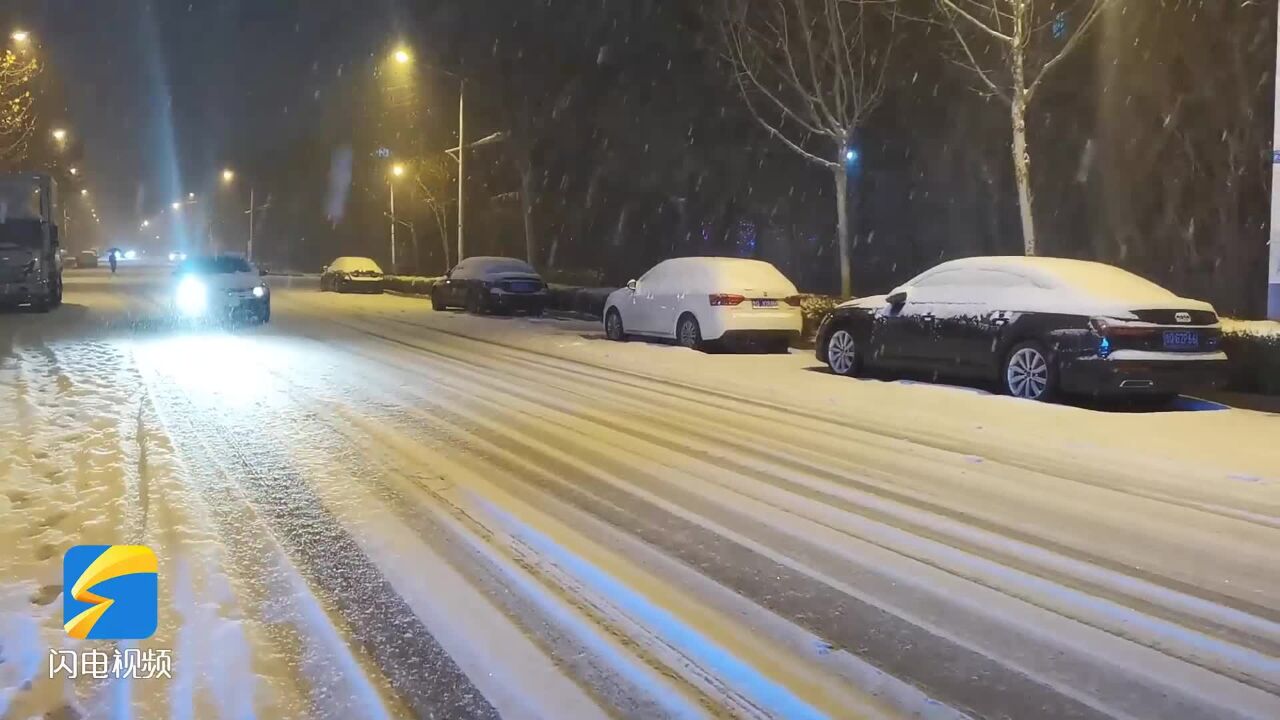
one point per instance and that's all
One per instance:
(192, 297)
(259, 291)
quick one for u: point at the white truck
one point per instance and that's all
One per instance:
(30, 263)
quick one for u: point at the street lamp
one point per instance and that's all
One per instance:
(84, 193)
(228, 176)
(191, 196)
(402, 56)
(20, 36)
(176, 206)
(146, 223)
(75, 171)
(397, 170)
(60, 135)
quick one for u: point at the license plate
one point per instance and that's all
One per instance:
(523, 287)
(1181, 339)
(764, 303)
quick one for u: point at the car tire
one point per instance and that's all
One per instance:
(613, 328)
(264, 314)
(689, 332)
(1028, 372)
(55, 295)
(842, 353)
(475, 304)
(436, 302)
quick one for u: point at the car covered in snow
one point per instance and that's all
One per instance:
(697, 300)
(352, 275)
(86, 260)
(1037, 326)
(220, 287)
(485, 284)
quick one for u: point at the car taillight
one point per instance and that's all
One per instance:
(1106, 327)
(793, 301)
(727, 299)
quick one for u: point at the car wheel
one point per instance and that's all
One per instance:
(1028, 373)
(475, 304)
(613, 326)
(842, 353)
(688, 332)
(55, 296)
(436, 302)
(324, 284)
(264, 315)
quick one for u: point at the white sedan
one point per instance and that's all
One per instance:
(696, 300)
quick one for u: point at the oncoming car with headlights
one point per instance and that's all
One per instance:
(220, 287)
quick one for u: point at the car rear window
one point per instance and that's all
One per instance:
(482, 266)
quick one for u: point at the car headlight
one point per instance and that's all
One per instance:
(192, 297)
(259, 291)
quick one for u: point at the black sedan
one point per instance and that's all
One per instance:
(1036, 326)
(491, 284)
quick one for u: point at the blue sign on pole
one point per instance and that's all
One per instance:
(1275, 157)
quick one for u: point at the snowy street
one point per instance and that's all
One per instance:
(368, 509)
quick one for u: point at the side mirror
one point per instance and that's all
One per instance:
(897, 297)
(631, 285)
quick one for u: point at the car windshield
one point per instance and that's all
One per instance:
(213, 266)
(342, 403)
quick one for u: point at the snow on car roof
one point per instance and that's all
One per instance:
(1094, 279)
(350, 263)
(493, 262)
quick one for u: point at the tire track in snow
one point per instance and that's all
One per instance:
(1240, 615)
(335, 569)
(507, 389)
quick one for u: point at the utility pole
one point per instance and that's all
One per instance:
(392, 185)
(249, 249)
(1273, 276)
(462, 154)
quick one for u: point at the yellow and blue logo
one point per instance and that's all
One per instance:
(110, 592)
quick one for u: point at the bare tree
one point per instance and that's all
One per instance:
(434, 177)
(811, 72)
(1011, 46)
(17, 105)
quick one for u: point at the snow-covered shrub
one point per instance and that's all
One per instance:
(1253, 356)
(583, 300)
(409, 284)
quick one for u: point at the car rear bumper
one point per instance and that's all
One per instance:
(523, 302)
(747, 321)
(1156, 375)
(365, 287)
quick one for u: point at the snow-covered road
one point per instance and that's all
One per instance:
(368, 509)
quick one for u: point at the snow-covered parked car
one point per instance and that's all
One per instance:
(484, 284)
(697, 300)
(220, 287)
(1035, 325)
(352, 275)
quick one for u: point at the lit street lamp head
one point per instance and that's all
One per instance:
(176, 206)
(402, 56)
(84, 193)
(20, 36)
(59, 134)
(75, 171)
(228, 175)
(397, 169)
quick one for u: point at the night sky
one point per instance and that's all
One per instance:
(164, 95)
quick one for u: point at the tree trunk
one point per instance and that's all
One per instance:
(1022, 171)
(842, 229)
(526, 209)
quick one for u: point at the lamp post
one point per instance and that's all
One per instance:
(1273, 262)
(397, 170)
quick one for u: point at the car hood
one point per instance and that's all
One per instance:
(871, 301)
(225, 281)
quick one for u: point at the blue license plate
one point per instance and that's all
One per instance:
(764, 303)
(1181, 340)
(523, 287)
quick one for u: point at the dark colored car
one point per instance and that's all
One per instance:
(1036, 326)
(352, 275)
(491, 284)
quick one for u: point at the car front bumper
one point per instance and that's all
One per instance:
(1158, 374)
